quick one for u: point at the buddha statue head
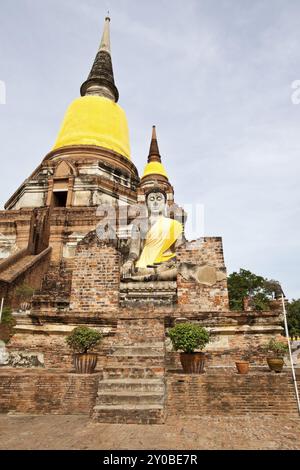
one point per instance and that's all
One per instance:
(156, 201)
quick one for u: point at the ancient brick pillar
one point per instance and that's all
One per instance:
(208, 250)
(96, 276)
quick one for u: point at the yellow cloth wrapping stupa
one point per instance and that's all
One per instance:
(95, 120)
(161, 236)
(155, 168)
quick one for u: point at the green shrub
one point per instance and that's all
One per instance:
(82, 339)
(7, 318)
(7, 325)
(277, 347)
(187, 337)
(24, 292)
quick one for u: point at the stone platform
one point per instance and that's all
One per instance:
(218, 392)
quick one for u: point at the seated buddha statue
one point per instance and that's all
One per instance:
(152, 253)
(152, 248)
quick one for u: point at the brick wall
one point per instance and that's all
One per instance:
(217, 392)
(96, 276)
(234, 336)
(53, 347)
(208, 250)
(223, 392)
(44, 392)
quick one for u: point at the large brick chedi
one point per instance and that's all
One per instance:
(132, 283)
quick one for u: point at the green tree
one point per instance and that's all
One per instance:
(247, 284)
(293, 317)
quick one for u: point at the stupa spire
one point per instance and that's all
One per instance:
(154, 155)
(154, 165)
(100, 81)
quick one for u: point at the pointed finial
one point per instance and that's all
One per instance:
(154, 155)
(105, 41)
(101, 78)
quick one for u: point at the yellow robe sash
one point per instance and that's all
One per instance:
(159, 239)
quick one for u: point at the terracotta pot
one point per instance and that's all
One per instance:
(275, 363)
(193, 363)
(85, 363)
(242, 367)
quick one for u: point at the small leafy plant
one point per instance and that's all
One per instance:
(7, 325)
(83, 338)
(278, 348)
(24, 292)
(187, 337)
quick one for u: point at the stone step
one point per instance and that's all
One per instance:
(143, 344)
(145, 361)
(147, 385)
(132, 371)
(137, 350)
(129, 414)
(127, 397)
(136, 336)
(134, 302)
(136, 341)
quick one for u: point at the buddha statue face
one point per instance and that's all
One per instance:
(156, 203)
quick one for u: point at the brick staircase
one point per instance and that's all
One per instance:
(11, 272)
(17, 264)
(133, 386)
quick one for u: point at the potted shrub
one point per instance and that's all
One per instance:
(81, 340)
(276, 350)
(187, 337)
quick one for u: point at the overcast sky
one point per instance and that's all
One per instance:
(215, 76)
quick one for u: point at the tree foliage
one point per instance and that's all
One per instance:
(293, 317)
(7, 325)
(247, 284)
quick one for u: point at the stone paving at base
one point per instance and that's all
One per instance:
(30, 432)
